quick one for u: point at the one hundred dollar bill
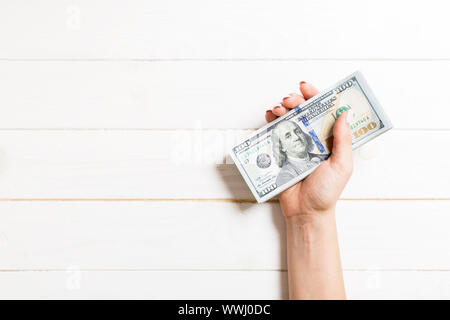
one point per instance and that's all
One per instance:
(291, 147)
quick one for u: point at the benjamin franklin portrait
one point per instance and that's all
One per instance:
(292, 150)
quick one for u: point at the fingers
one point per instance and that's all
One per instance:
(276, 112)
(341, 155)
(270, 116)
(293, 100)
(279, 111)
(308, 90)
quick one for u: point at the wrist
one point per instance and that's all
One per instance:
(312, 218)
(312, 230)
(306, 212)
(314, 267)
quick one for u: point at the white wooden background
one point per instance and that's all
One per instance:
(114, 121)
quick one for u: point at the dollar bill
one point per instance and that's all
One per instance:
(290, 148)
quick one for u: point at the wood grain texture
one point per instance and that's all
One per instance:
(76, 284)
(144, 164)
(213, 95)
(374, 235)
(104, 29)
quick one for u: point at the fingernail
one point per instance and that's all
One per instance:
(302, 82)
(268, 111)
(285, 98)
(349, 116)
(277, 107)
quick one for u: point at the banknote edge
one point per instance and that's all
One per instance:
(371, 96)
(243, 175)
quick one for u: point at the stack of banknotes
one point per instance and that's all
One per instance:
(288, 149)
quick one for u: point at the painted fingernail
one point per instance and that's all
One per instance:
(285, 98)
(302, 82)
(268, 111)
(277, 107)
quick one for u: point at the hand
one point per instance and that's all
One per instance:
(319, 192)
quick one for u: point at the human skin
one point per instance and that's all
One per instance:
(314, 264)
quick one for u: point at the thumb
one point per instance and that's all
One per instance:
(341, 154)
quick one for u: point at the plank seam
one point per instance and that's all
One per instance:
(177, 129)
(221, 59)
(196, 200)
(210, 270)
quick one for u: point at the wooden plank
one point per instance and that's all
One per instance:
(192, 164)
(414, 285)
(374, 235)
(217, 95)
(105, 29)
(76, 284)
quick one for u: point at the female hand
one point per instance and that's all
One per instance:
(314, 266)
(319, 192)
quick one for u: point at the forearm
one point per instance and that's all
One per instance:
(314, 265)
